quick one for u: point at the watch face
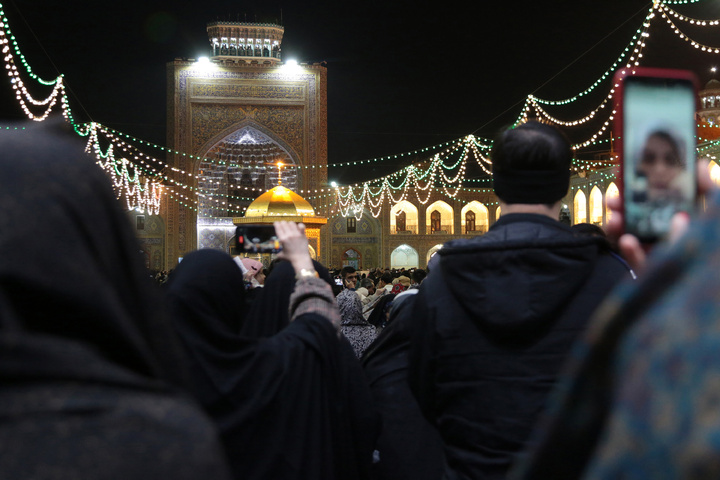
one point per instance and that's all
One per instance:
(307, 273)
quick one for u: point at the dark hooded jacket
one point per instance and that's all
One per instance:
(494, 323)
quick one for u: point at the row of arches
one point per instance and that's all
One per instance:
(592, 209)
(403, 256)
(440, 218)
(248, 50)
(475, 217)
(710, 101)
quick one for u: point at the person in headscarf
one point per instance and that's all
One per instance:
(286, 405)
(269, 312)
(88, 368)
(255, 274)
(356, 329)
(409, 447)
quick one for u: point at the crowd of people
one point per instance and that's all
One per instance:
(534, 351)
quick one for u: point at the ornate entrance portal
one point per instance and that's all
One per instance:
(231, 120)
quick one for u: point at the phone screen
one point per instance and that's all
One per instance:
(658, 153)
(257, 239)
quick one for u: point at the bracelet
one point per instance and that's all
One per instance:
(304, 273)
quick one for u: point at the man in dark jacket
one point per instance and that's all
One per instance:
(498, 314)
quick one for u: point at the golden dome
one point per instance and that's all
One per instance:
(279, 201)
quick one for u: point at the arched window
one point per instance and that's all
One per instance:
(435, 221)
(404, 256)
(480, 218)
(404, 218)
(596, 206)
(444, 214)
(469, 221)
(715, 173)
(612, 192)
(580, 207)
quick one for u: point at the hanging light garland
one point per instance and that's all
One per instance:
(22, 95)
(139, 177)
(140, 194)
(705, 48)
(533, 104)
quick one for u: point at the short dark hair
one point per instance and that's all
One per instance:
(348, 270)
(366, 282)
(531, 146)
(418, 275)
(531, 164)
(387, 277)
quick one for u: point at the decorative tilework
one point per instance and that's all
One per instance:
(281, 124)
(235, 91)
(205, 107)
(216, 238)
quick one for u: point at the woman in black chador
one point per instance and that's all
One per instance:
(88, 370)
(288, 406)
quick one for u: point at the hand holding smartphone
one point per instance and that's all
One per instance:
(655, 128)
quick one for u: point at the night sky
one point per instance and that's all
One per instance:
(402, 75)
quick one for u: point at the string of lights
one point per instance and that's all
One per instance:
(22, 94)
(635, 46)
(143, 179)
(683, 36)
(533, 104)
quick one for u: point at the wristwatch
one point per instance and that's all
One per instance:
(304, 273)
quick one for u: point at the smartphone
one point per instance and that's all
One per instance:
(655, 129)
(257, 238)
(338, 281)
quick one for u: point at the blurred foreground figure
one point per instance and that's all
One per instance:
(87, 367)
(496, 317)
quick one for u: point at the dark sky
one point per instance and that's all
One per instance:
(402, 75)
